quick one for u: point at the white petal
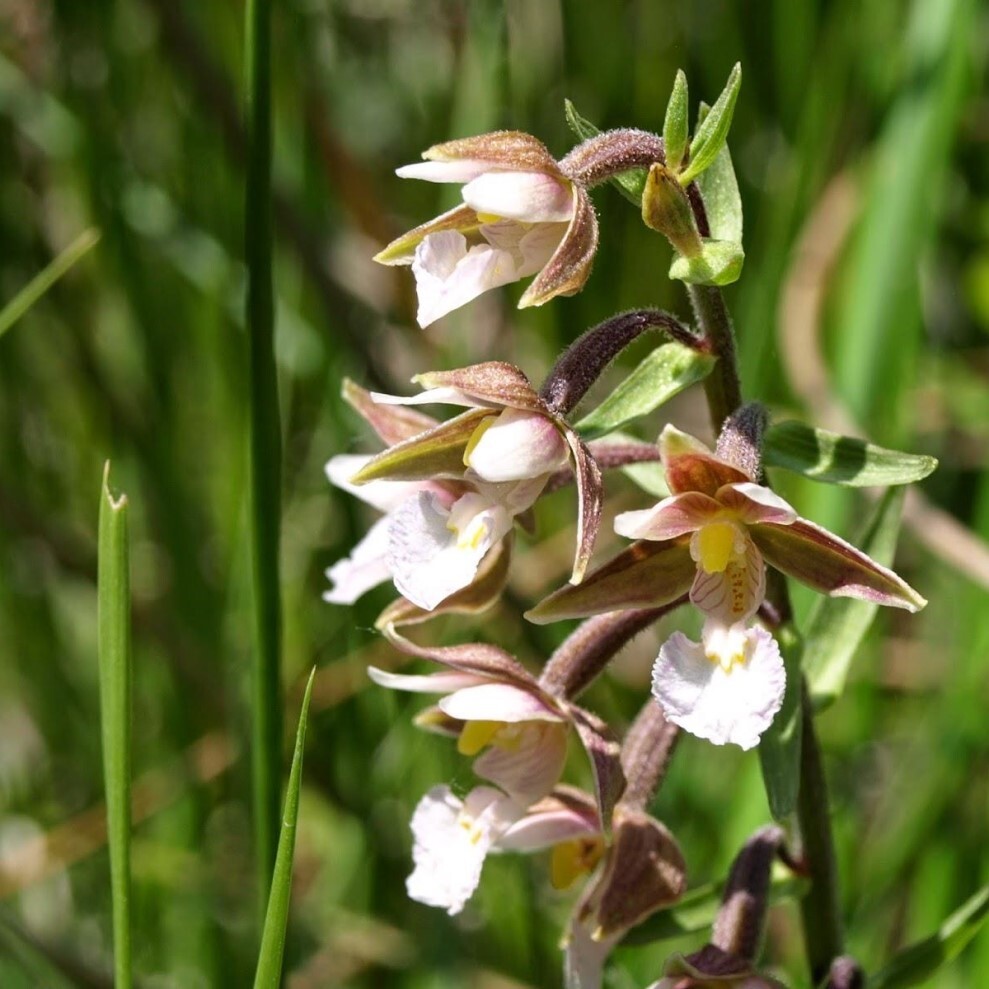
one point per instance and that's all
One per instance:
(517, 445)
(433, 552)
(531, 197)
(431, 683)
(698, 694)
(383, 495)
(672, 517)
(444, 171)
(530, 245)
(449, 275)
(497, 702)
(431, 396)
(531, 765)
(452, 839)
(366, 567)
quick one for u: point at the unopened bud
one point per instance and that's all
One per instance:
(665, 208)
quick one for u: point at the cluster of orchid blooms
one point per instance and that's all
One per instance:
(452, 492)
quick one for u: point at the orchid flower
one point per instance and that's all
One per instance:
(453, 837)
(502, 452)
(713, 536)
(499, 713)
(520, 216)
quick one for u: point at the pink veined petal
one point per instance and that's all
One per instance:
(672, 517)
(430, 683)
(734, 594)
(736, 706)
(528, 763)
(753, 504)
(449, 274)
(366, 567)
(517, 445)
(462, 170)
(691, 466)
(529, 245)
(451, 841)
(529, 197)
(498, 702)
(539, 830)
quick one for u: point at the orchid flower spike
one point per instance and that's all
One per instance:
(520, 216)
(713, 536)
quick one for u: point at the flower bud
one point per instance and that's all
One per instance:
(665, 208)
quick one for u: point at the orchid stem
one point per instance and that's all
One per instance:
(820, 908)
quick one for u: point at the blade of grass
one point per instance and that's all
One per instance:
(113, 602)
(265, 449)
(269, 970)
(47, 277)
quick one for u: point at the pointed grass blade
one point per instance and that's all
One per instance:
(269, 971)
(918, 963)
(45, 278)
(113, 603)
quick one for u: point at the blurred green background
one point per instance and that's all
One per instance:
(860, 141)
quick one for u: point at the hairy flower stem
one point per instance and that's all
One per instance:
(722, 385)
(820, 909)
(646, 754)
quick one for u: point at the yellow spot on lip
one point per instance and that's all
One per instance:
(476, 734)
(489, 218)
(574, 858)
(716, 545)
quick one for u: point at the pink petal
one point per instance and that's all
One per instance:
(755, 504)
(531, 766)
(672, 517)
(690, 465)
(460, 171)
(517, 445)
(543, 829)
(498, 702)
(431, 683)
(529, 197)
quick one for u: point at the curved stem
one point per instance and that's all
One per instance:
(722, 386)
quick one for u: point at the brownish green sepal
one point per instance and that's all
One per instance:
(646, 575)
(438, 453)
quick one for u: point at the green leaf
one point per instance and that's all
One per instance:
(665, 372)
(650, 477)
(269, 971)
(722, 202)
(836, 626)
(917, 963)
(697, 909)
(113, 610)
(834, 459)
(779, 747)
(45, 278)
(713, 132)
(631, 183)
(719, 263)
(677, 123)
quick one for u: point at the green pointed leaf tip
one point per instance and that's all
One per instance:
(719, 263)
(779, 748)
(269, 971)
(834, 459)
(631, 183)
(836, 626)
(713, 132)
(918, 963)
(665, 372)
(676, 124)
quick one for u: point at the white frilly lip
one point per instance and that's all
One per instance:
(734, 705)
(517, 445)
(451, 840)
